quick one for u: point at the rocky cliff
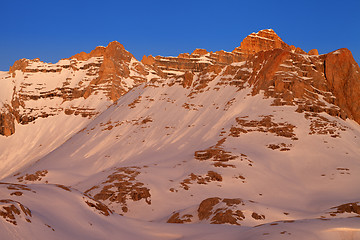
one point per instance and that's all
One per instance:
(82, 85)
(316, 83)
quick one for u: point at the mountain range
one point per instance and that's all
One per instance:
(259, 143)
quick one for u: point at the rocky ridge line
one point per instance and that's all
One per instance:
(314, 83)
(109, 71)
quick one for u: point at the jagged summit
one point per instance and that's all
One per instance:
(264, 40)
(114, 48)
(261, 41)
(69, 86)
(113, 71)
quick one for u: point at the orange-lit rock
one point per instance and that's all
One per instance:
(148, 60)
(343, 76)
(313, 52)
(261, 41)
(7, 125)
(188, 79)
(19, 65)
(199, 52)
(284, 73)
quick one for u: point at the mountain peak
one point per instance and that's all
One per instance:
(20, 64)
(116, 44)
(263, 40)
(200, 52)
(112, 48)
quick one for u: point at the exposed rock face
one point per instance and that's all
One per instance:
(217, 210)
(14, 211)
(9, 210)
(285, 73)
(116, 66)
(185, 66)
(19, 65)
(7, 125)
(297, 79)
(313, 52)
(261, 41)
(148, 60)
(188, 79)
(121, 187)
(347, 208)
(343, 77)
(105, 73)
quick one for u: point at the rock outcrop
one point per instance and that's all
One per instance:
(117, 65)
(313, 52)
(342, 74)
(215, 210)
(106, 73)
(7, 125)
(261, 41)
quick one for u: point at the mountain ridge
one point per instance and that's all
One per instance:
(115, 67)
(116, 57)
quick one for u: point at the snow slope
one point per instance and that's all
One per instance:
(142, 157)
(40, 97)
(47, 211)
(45, 104)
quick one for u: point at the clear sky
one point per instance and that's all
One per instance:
(51, 30)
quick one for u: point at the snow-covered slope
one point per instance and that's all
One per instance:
(45, 104)
(58, 212)
(261, 139)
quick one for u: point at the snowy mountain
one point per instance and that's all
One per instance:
(259, 143)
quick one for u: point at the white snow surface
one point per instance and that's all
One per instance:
(57, 213)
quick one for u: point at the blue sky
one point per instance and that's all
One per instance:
(51, 30)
